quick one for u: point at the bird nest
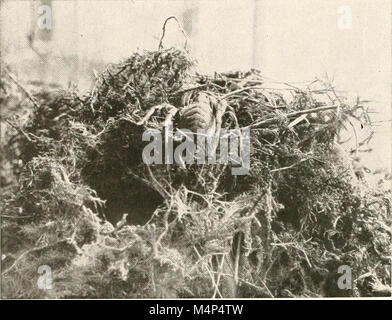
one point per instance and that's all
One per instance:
(108, 224)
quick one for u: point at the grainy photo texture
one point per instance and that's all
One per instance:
(195, 149)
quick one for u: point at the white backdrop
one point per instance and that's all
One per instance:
(289, 40)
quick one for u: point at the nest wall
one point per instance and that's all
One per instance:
(283, 230)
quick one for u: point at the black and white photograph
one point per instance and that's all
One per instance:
(195, 149)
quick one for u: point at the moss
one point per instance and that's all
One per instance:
(291, 222)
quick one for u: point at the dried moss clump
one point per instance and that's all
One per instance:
(83, 202)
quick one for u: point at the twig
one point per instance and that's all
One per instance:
(148, 115)
(20, 129)
(219, 276)
(292, 114)
(252, 285)
(170, 115)
(16, 217)
(289, 167)
(237, 258)
(220, 110)
(158, 187)
(172, 111)
(31, 251)
(31, 98)
(238, 91)
(211, 273)
(160, 46)
(201, 86)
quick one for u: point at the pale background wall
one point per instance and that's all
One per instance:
(289, 40)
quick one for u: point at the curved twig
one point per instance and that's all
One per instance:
(160, 46)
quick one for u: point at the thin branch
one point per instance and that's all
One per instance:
(31, 251)
(227, 95)
(16, 217)
(291, 115)
(251, 284)
(160, 46)
(29, 96)
(211, 273)
(19, 129)
(289, 167)
(201, 86)
(219, 276)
